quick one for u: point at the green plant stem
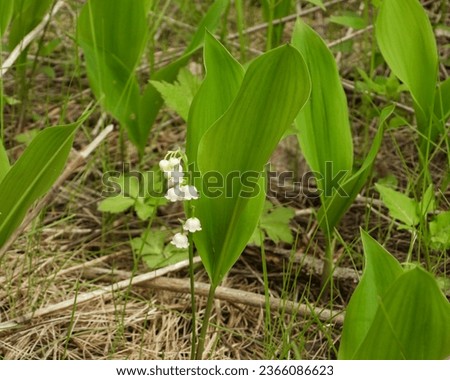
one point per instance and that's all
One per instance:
(205, 324)
(271, 6)
(240, 24)
(193, 306)
(327, 271)
(266, 293)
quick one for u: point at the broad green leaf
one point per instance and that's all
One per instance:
(178, 95)
(222, 81)
(412, 321)
(113, 36)
(32, 175)
(274, 88)
(324, 120)
(6, 12)
(152, 101)
(380, 272)
(116, 204)
(350, 20)
(4, 162)
(334, 207)
(400, 206)
(406, 40)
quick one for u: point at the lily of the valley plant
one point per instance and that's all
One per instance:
(235, 122)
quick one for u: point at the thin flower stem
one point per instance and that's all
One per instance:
(205, 324)
(193, 306)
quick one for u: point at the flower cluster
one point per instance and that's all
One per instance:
(179, 190)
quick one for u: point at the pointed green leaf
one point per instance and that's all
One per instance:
(274, 88)
(222, 81)
(400, 206)
(223, 78)
(380, 272)
(406, 40)
(152, 100)
(32, 175)
(412, 321)
(113, 36)
(209, 23)
(324, 119)
(334, 207)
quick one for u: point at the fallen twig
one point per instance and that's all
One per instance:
(247, 298)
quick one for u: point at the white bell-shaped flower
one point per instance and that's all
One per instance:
(192, 225)
(173, 194)
(165, 165)
(188, 192)
(180, 241)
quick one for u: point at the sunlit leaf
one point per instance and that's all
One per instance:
(274, 88)
(395, 313)
(380, 272)
(412, 321)
(324, 119)
(406, 40)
